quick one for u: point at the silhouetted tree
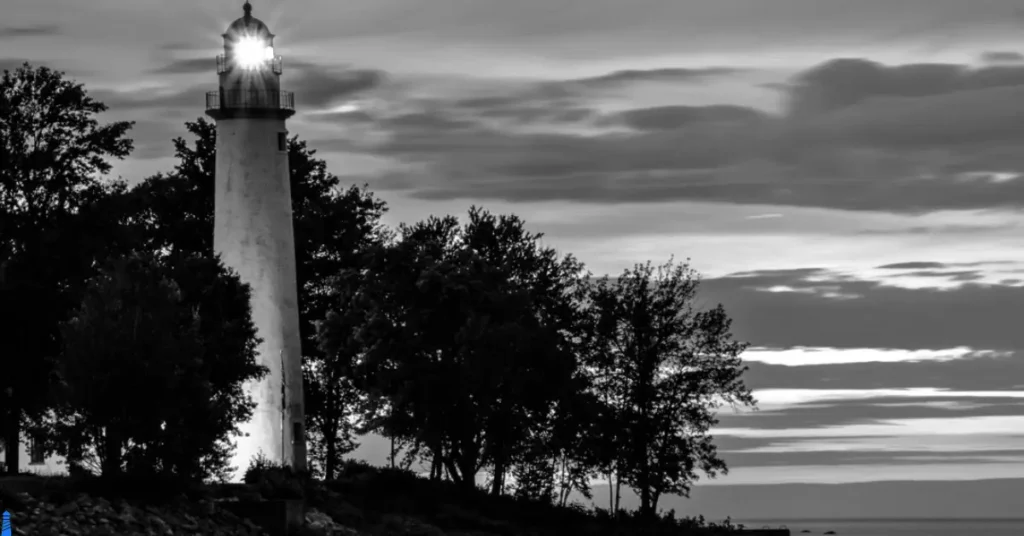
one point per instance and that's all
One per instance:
(329, 386)
(561, 456)
(153, 365)
(52, 162)
(667, 367)
(467, 339)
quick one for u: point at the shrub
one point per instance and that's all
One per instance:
(276, 480)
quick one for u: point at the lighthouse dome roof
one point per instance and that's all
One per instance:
(247, 25)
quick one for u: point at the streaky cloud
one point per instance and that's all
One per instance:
(803, 356)
(35, 30)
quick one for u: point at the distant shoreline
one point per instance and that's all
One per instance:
(876, 519)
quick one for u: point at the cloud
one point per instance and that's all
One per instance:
(319, 86)
(943, 230)
(188, 66)
(670, 75)
(959, 375)
(851, 412)
(159, 97)
(855, 135)
(674, 117)
(872, 426)
(35, 30)
(864, 473)
(12, 64)
(883, 315)
(1002, 56)
(912, 266)
(866, 449)
(966, 426)
(342, 117)
(846, 82)
(803, 356)
(846, 400)
(316, 87)
(182, 46)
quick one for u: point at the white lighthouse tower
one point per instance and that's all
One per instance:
(253, 230)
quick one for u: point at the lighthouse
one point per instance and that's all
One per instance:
(253, 231)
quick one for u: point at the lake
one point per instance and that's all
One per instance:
(898, 527)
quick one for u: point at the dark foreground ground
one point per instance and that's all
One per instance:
(362, 501)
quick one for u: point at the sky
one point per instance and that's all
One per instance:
(844, 174)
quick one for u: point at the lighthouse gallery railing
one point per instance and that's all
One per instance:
(243, 98)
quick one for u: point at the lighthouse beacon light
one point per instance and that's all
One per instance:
(252, 52)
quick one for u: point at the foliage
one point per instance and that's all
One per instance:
(664, 367)
(149, 331)
(332, 396)
(275, 480)
(465, 338)
(52, 159)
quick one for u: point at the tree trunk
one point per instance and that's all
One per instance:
(12, 441)
(497, 483)
(611, 493)
(392, 455)
(645, 500)
(435, 467)
(331, 448)
(76, 452)
(111, 452)
(618, 492)
(450, 473)
(564, 486)
(468, 473)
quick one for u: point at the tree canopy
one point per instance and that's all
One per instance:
(663, 367)
(466, 337)
(53, 158)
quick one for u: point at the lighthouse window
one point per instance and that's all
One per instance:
(282, 141)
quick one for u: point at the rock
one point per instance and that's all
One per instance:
(67, 509)
(408, 526)
(82, 515)
(321, 524)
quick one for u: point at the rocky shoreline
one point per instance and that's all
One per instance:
(96, 516)
(86, 515)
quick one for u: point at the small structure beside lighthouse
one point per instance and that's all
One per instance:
(253, 231)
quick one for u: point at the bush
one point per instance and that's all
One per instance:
(276, 480)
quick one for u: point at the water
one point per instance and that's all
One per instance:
(898, 527)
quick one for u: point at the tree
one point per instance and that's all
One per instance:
(148, 332)
(665, 368)
(560, 454)
(331, 391)
(334, 226)
(466, 339)
(52, 162)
